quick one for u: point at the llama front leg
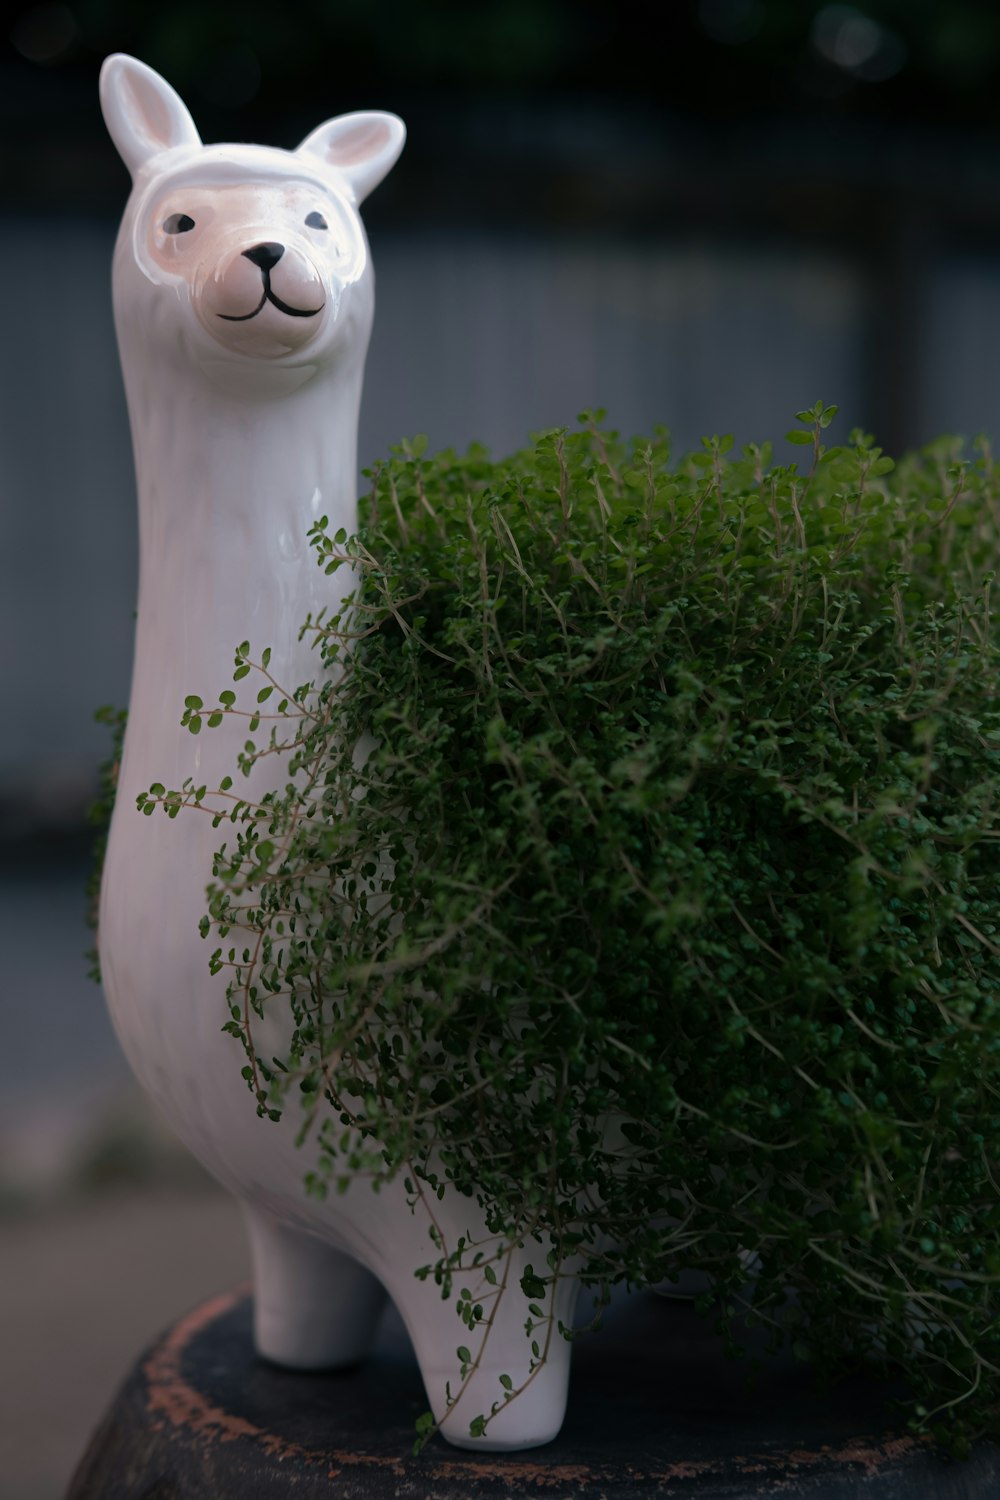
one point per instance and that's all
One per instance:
(315, 1308)
(509, 1395)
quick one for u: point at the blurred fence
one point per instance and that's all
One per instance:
(478, 336)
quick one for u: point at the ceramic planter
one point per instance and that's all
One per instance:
(243, 297)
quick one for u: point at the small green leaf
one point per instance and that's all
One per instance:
(532, 1284)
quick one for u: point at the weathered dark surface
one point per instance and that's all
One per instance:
(655, 1410)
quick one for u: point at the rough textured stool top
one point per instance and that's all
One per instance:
(657, 1410)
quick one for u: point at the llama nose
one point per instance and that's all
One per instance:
(266, 255)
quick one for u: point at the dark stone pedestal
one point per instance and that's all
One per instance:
(655, 1410)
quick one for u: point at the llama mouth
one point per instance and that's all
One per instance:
(269, 296)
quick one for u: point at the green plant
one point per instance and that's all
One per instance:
(636, 872)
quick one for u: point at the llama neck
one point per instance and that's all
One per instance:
(228, 489)
(234, 484)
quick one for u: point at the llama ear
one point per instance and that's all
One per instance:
(143, 114)
(363, 146)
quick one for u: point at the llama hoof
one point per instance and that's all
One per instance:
(515, 1425)
(498, 1396)
(314, 1307)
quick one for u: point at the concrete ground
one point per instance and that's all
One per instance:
(108, 1229)
(84, 1286)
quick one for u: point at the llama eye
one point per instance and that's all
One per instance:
(316, 221)
(178, 224)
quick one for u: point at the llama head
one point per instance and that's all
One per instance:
(238, 255)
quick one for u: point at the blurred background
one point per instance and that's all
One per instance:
(705, 214)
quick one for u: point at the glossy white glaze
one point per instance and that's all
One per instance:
(243, 297)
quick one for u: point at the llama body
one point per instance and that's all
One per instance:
(243, 302)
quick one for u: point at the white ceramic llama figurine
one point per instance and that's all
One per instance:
(243, 299)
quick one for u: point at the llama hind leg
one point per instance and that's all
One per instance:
(315, 1308)
(519, 1398)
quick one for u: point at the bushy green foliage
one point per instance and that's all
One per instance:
(637, 873)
